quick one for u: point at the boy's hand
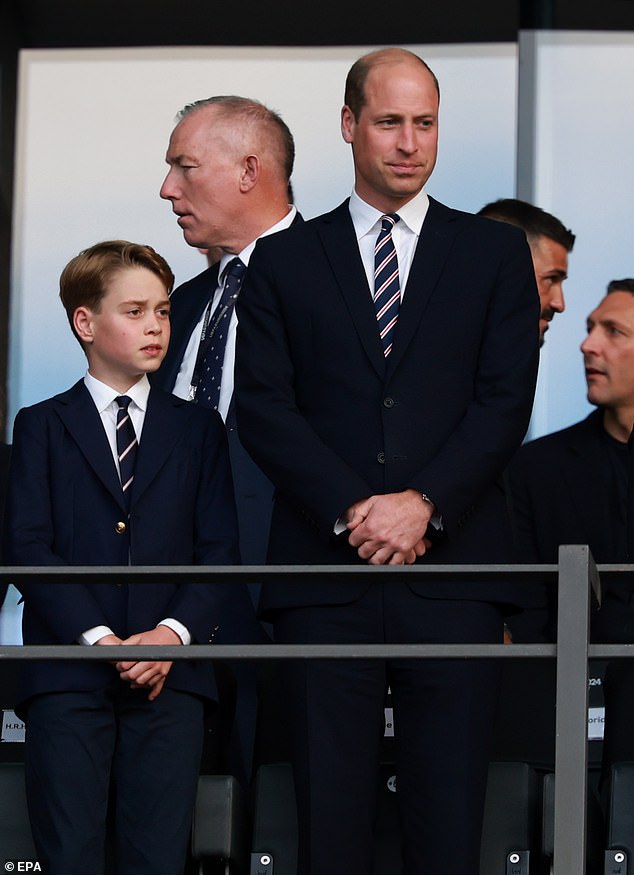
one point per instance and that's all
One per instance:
(150, 675)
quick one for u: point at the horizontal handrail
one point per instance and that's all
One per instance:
(576, 576)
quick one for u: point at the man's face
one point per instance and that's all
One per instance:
(395, 140)
(129, 333)
(550, 260)
(608, 352)
(203, 182)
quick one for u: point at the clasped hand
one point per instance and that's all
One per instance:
(148, 675)
(390, 529)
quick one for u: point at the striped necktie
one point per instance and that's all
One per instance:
(126, 446)
(387, 291)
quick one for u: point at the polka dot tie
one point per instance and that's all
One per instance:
(208, 393)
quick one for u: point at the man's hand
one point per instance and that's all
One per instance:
(109, 639)
(390, 529)
(150, 675)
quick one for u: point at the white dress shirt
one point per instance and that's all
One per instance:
(186, 371)
(104, 399)
(367, 225)
(405, 234)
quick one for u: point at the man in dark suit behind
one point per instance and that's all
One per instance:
(230, 161)
(550, 243)
(385, 430)
(576, 486)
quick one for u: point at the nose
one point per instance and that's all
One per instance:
(407, 139)
(590, 344)
(167, 191)
(557, 301)
(153, 324)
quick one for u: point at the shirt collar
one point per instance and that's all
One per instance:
(365, 217)
(245, 255)
(103, 395)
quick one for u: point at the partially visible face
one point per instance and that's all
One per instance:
(204, 178)
(128, 336)
(395, 140)
(608, 352)
(550, 260)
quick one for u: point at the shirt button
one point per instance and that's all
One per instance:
(120, 528)
(381, 458)
(388, 402)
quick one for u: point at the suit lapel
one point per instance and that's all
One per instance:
(339, 241)
(161, 430)
(188, 304)
(435, 241)
(77, 411)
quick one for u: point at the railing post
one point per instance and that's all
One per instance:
(576, 572)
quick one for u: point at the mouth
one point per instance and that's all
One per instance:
(594, 373)
(405, 169)
(152, 349)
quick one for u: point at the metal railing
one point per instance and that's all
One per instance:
(576, 576)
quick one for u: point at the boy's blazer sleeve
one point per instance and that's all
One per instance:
(68, 608)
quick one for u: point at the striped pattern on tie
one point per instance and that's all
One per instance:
(387, 290)
(126, 444)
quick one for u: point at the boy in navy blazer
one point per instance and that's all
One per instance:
(124, 733)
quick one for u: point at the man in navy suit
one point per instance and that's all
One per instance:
(230, 161)
(385, 419)
(573, 486)
(576, 486)
(112, 472)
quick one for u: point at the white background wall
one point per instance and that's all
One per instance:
(93, 127)
(584, 173)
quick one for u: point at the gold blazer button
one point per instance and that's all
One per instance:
(121, 528)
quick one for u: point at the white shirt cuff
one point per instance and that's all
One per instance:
(182, 631)
(91, 636)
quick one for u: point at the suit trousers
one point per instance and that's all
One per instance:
(443, 718)
(83, 746)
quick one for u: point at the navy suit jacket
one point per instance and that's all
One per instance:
(562, 491)
(331, 421)
(560, 487)
(65, 507)
(253, 492)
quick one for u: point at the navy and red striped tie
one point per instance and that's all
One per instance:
(387, 290)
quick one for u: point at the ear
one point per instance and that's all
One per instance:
(82, 323)
(251, 169)
(347, 124)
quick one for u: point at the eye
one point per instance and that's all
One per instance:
(163, 313)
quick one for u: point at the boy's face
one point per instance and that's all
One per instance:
(128, 336)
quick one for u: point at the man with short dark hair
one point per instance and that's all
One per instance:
(573, 486)
(550, 242)
(576, 486)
